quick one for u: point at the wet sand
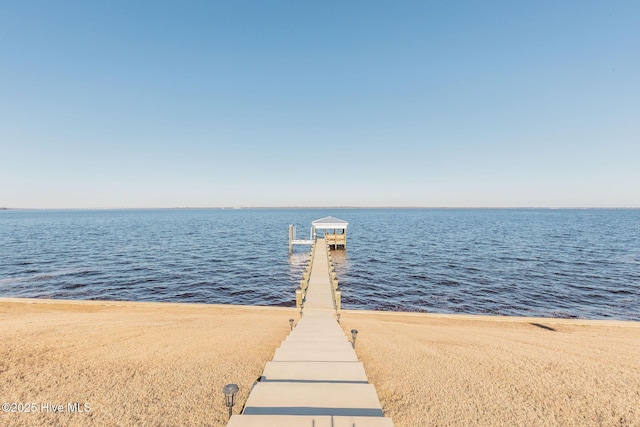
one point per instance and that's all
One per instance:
(165, 364)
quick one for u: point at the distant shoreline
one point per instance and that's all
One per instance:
(331, 207)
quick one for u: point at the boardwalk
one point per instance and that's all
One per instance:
(315, 378)
(319, 294)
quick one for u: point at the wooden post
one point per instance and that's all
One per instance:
(299, 298)
(338, 294)
(290, 239)
(345, 239)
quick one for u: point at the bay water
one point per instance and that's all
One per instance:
(571, 263)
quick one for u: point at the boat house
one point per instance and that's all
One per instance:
(333, 230)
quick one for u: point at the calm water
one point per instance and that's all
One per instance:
(552, 263)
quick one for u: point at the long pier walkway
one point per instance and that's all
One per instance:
(319, 294)
(314, 379)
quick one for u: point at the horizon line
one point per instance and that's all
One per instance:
(312, 207)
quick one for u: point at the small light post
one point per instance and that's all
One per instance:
(354, 335)
(230, 391)
(291, 323)
(338, 316)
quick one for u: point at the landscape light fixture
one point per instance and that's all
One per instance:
(354, 334)
(230, 391)
(291, 323)
(338, 316)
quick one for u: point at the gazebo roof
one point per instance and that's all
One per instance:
(329, 222)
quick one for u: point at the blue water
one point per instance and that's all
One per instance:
(526, 262)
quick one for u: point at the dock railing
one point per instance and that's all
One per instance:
(336, 292)
(301, 291)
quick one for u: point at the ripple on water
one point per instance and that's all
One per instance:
(555, 263)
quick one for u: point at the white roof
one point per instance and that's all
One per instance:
(329, 222)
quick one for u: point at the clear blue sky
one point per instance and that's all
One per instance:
(323, 103)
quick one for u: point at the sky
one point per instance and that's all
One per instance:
(121, 104)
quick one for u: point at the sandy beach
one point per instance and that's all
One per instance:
(442, 370)
(154, 364)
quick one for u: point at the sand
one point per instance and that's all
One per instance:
(440, 370)
(165, 364)
(136, 364)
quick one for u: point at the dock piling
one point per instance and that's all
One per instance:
(299, 298)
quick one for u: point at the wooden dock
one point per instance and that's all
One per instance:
(314, 378)
(319, 293)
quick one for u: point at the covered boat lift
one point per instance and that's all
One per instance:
(334, 231)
